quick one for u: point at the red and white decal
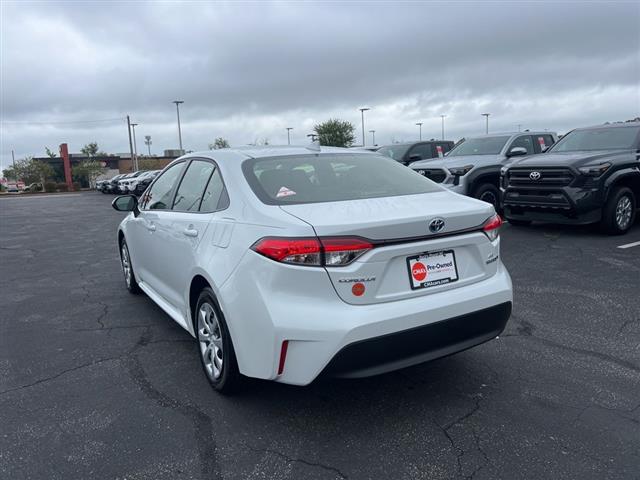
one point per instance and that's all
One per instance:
(541, 143)
(285, 192)
(419, 271)
(439, 150)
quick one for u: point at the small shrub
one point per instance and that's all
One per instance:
(62, 187)
(50, 187)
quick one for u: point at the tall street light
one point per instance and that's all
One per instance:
(135, 147)
(362, 110)
(486, 115)
(373, 134)
(420, 125)
(442, 117)
(178, 102)
(147, 141)
(289, 135)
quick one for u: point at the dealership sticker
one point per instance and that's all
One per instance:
(439, 150)
(432, 268)
(285, 192)
(541, 142)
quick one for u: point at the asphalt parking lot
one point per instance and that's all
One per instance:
(97, 383)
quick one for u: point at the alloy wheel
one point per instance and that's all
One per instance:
(210, 339)
(126, 264)
(623, 212)
(489, 197)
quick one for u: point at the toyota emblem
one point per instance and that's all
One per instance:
(436, 225)
(535, 175)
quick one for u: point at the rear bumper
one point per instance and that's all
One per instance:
(420, 344)
(323, 331)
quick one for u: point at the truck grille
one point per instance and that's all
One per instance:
(435, 174)
(560, 177)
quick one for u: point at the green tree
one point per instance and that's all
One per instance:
(29, 171)
(219, 143)
(50, 153)
(89, 170)
(335, 133)
(92, 150)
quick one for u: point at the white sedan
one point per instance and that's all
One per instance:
(290, 262)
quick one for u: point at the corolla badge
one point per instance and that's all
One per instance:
(535, 175)
(436, 225)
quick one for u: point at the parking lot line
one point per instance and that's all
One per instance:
(629, 245)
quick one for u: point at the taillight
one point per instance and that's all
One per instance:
(328, 251)
(492, 227)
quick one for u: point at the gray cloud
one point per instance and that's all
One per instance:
(247, 70)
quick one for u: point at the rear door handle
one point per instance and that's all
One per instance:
(190, 232)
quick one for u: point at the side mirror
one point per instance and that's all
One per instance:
(517, 152)
(126, 203)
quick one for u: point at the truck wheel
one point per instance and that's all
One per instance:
(488, 193)
(619, 211)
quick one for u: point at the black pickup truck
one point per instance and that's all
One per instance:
(591, 175)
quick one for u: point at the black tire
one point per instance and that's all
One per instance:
(487, 192)
(619, 211)
(129, 276)
(219, 364)
(519, 223)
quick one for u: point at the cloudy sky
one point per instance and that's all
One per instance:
(247, 70)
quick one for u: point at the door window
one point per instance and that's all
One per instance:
(191, 189)
(525, 142)
(424, 150)
(215, 196)
(161, 192)
(543, 142)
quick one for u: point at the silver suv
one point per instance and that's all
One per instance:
(473, 167)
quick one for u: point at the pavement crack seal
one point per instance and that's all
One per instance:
(300, 460)
(202, 423)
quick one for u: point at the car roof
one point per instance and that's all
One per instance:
(512, 134)
(400, 144)
(250, 151)
(611, 125)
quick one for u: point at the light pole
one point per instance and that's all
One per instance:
(147, 141)
(442, 117)
(289, 135)
(373, 134)
(486, 115)
(362, 110)
(135, 147)
(178, 102)
(519, 126)
(420, 125)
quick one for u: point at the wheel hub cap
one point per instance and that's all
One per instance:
(210, 339)
(126, 264)
(623, 212)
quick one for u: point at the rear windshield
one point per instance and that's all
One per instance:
(598, 139)
(331, 178)
(480, 146)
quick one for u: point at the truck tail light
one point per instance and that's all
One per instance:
(317, 252)
(492, 226)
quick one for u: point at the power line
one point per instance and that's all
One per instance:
(28, 122)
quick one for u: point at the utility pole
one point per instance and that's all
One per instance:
(420, 125)
(486, 115)
(442, 117)
(519, 126)
(13, 157)
(130, 142)
(135, 148)
(362, 110)
(178, 102)
(289, 135)
(373, 134)
(147, 141)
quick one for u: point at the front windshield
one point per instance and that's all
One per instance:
(480, 146)
(598, 139)
(394, 151)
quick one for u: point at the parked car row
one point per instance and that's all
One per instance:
(591, 175)
(136, 182)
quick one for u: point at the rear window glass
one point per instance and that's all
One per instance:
(331, 178)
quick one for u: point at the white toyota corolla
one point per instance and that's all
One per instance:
(290, 262)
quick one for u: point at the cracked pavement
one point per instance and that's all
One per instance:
(98, 383)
